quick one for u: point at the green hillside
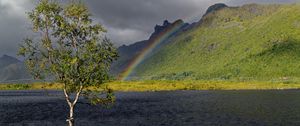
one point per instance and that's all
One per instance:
(248, 42)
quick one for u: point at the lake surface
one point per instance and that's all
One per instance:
(178, 108)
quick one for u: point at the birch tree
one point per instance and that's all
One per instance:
(71, 48)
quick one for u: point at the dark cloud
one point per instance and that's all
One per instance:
(240, 2)
(127, 21)
(132, 20)
(13, 24)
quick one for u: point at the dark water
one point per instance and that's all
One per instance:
(179, 108)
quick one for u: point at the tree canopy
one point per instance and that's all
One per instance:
(68, 47)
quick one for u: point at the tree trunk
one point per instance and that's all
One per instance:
(71, 116)
(71, 120)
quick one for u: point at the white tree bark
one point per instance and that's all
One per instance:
(71, 104)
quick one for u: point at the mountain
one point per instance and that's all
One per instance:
(6, 60)
(260, 42)
(128, 53)
(12, 69)
(215, 8)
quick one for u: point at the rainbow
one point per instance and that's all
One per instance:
(154, 43)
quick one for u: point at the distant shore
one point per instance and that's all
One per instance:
(151, 85)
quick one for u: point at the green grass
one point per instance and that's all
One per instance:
(33, 86)
(199, 85)
(16, 87)
(151, 85)
(261, 42)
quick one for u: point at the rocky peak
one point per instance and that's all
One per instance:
(159, 28)
(166, 24)
(215, 7)
(6, 57)
(179, 21)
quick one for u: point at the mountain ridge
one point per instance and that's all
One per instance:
(6, 60)
(12, 69)
(247, 42)
(129, 52)
(251, 41)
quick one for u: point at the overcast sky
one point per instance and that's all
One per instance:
(127, 21)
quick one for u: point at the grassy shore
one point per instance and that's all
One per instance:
(138, 86)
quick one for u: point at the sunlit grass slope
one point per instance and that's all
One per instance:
(260, 42)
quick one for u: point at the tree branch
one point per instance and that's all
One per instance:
(77, 95)
(67, 97)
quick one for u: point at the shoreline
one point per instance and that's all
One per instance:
(154, 86)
